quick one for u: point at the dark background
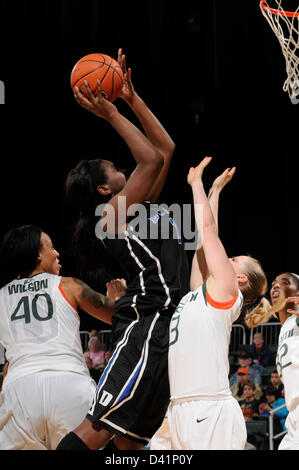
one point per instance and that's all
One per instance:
(211, 71)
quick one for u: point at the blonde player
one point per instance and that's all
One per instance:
(47, 390)
(284, 295)
(162, 440)
(202, 414)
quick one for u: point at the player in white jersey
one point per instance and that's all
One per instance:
(47, 390)
(285, 299)
(202, 414)
(162, 440)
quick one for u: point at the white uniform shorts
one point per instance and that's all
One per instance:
(161, 440)
(291, 439)
(207, 425)
(39, 409)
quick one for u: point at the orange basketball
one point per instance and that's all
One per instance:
(93, 67)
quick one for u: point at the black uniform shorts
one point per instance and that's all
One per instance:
(133, 392)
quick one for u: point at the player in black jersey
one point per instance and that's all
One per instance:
(133, 391)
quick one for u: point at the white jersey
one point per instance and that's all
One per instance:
(199, 345)
(287, 360)
(39, 328)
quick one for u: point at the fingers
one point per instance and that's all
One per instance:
(116, 282)
(90, 100)
(81, 99)
(121, 59)
(293, 300)
(100, 93)
(119, 55)
(231, 171)
(229, 174)
(89, 93)
(196, 172)
(128, 75)
(293, 312)
(205, 161)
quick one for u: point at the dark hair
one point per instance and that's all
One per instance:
(244, 355)
(92, 258)
(250, 384)
(19, 251)
(270, 390)
(295, 278)
(81, 186)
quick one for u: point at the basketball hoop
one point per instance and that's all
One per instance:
(285, 25)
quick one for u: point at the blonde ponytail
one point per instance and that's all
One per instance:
(263, 311)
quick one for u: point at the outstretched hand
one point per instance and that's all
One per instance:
(223, 179)
(127, 91)
(97, 105)
(195, 174)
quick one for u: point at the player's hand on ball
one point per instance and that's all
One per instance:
(195, 174)
(127, 91)
(95, 104)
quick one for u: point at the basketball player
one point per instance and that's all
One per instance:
(133, 392)
(284, 295)
(47, 390)
(202, 414)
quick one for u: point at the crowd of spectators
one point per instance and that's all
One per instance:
(96, 355)
(257, 387)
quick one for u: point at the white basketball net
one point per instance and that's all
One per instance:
(286, 28)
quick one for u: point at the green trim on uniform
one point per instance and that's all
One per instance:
(204, 292)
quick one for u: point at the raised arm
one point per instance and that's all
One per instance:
(148, 160)
(81, 295)
(151, 125)
(216, 189)
(199, 270)
(222, 281)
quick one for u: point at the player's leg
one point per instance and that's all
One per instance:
(161, 440)
(291, 440)
(85, 437)
(123, 443)
(68, 398)
(207, 425)
(21, 415)
(91, 434)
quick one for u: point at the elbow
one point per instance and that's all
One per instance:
(170, 150)
(172, 147)
(167, 151)
(209, 224)
(158, 161)
(153, 165)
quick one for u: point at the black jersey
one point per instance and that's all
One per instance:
(133, 392)
(153, 257)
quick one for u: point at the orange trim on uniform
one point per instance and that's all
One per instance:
(60, 288)
(221, 305)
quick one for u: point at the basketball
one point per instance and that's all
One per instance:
(93, 67)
